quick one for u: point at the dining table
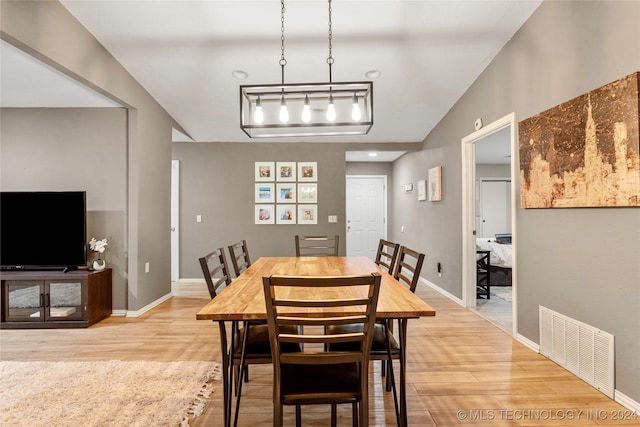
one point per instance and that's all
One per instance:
(243, 300)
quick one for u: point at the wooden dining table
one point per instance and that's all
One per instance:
(243, 300)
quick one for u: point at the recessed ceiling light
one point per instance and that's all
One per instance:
(373, 154)
(239, 74)
(373, 74)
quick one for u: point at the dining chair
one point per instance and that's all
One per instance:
(386, 254)
(385, 347)
(317, 245)
(246, 348)
(318, 375)
(239, 254)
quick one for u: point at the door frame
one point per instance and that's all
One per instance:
(468, 211)
(175, 220)
(384, 202)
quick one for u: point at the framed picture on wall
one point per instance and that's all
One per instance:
(264, 214)
(307, 214)
(422, 190)
(307, 171)
(307, 193)
(264, 193)
(435, 184)
(286, 193)
(265, 171)
(285, 214)
(286, 171)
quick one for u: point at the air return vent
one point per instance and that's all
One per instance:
(580, 348)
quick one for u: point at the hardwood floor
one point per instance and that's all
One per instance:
(461, 369)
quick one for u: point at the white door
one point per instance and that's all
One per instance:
(175, 220)
(495, 207)
(366, 214)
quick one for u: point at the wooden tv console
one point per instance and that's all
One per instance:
(53, 299)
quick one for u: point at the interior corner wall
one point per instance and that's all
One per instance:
(73, 149)
(582, 263)
(47, 31)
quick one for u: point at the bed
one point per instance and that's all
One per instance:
(501, 254)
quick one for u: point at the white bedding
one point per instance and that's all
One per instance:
(500, 252)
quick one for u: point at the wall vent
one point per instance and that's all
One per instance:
(580, 348)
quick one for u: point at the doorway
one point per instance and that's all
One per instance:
(471, 209)
(366, 210)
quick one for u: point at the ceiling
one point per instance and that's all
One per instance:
(185, 54)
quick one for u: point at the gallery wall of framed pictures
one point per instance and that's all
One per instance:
(286, 193)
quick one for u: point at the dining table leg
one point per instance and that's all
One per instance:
(226, 386)
(403, 372)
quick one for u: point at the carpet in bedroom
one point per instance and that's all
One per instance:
(111, 393)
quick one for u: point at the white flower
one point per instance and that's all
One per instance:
(98, 245)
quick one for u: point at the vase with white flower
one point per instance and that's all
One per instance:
(99, 246)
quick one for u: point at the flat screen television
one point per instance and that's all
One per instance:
(43, 230)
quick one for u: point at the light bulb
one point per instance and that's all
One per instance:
(284, 113)
(356, 115)
(306, 110)
(331, 110)
(258, 115)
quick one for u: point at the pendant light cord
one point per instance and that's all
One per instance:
(283, 61)
(330, 58)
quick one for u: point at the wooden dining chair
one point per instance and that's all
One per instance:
(239, 254)
(318, 375)
(385, 347)
(386, 255)
(215, 271)
(317, 245)
(249, 343)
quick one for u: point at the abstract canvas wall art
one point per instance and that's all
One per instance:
(584, 152)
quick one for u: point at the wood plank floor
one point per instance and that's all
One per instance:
(462, 370)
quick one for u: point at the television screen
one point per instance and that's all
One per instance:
(41, 230)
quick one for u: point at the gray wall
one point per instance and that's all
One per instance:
(217, 182)
(46, 30)
(71, 149)
(583, 263)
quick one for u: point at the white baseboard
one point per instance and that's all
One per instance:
(120, 313)
(527, 342)
(149, 306)
(627, 402)
(442, 291)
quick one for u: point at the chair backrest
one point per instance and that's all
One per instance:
(239, 254)
(317, 245)
(337, 300)
(215, 270)
(386, 255)
(408, 266)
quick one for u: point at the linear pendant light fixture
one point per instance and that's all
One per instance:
(306, 109)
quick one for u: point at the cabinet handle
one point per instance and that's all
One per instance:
(48, 300)
(41, 300)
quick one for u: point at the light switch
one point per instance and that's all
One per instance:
(198, 218)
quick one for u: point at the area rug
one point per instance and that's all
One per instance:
(502, 292)
(111, 393)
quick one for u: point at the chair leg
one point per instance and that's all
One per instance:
(354, 414)
(334, 415)
(278, 415)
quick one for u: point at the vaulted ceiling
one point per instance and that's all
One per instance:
(187, 54)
